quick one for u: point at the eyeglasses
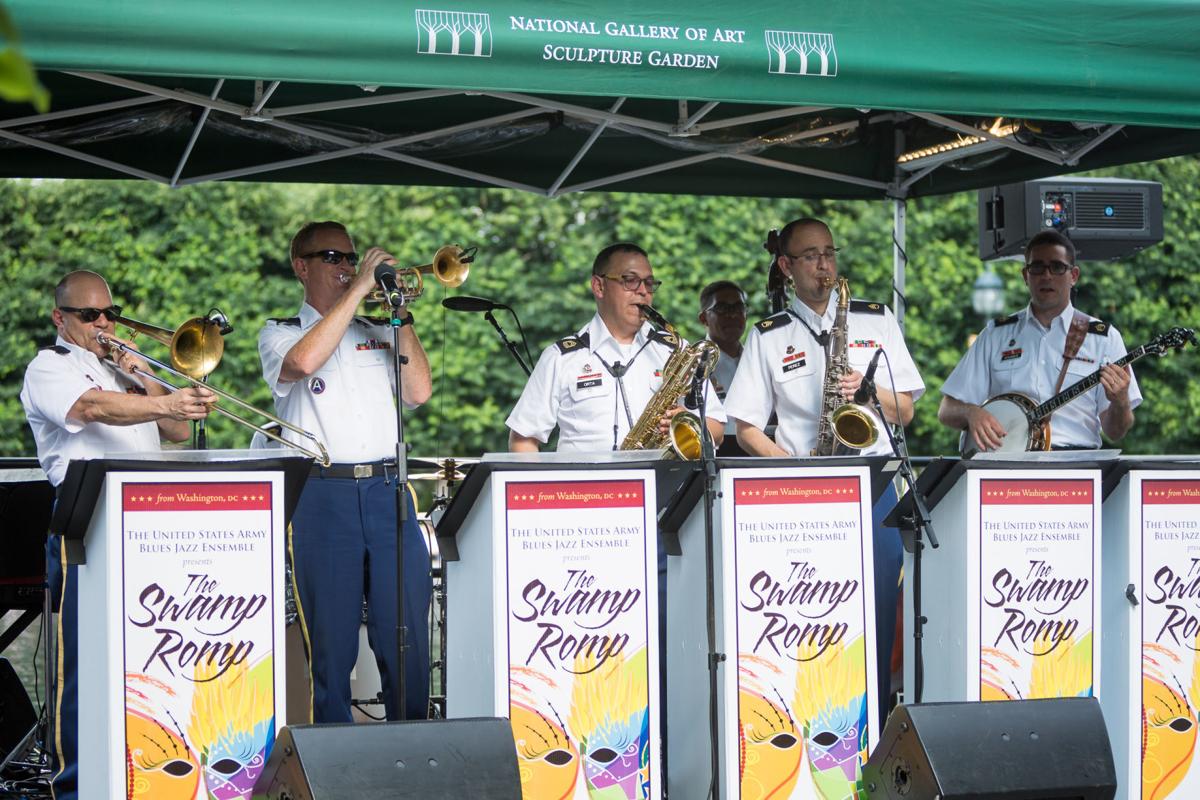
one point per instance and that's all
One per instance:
(93, 314)
(728, 309)
(1040, 267)
(333, 256)
(630, 283)
(813, 257)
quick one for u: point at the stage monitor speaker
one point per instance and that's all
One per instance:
(455, 758)
(1006, 750)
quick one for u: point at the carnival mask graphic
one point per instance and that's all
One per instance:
(769, 743)
(233, 725)
(610, 717)
(831, 708)
(547, 759)
(1168, 721)
(159, 764)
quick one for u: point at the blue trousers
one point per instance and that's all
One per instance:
(62, 584)
(344, 548)
(889, 558)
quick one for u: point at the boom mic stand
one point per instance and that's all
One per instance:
(401, 514)
(921, 526)
(708, 458)
(509, 343)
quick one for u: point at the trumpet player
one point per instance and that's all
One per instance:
(783, 369)
(332, 372)
(83, 402)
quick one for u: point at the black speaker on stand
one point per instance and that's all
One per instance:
(455, 758)
(1006, 750)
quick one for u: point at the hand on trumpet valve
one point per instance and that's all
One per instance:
(192, 402)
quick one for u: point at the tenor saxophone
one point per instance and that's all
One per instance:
(683, 438)
(843, 428)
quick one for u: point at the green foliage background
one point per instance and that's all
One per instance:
(172, 254)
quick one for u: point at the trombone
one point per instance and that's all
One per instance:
(450, 266)
(196, 349)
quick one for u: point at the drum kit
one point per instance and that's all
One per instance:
(440, 476)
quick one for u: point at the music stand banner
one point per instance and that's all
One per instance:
(197, 580)
(579, 632)
(1033, 632)
(799, 581)
(1166, 678)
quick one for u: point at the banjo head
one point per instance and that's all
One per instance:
(1011, 412)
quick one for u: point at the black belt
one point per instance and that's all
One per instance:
(375, 469)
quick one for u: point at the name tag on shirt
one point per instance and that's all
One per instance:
(794, 361)
(1009, 355)
(588, 380)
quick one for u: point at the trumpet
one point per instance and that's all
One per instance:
(196, 349)
(449, 267)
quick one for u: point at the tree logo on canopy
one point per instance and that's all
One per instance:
(800, 53)
(454, 33)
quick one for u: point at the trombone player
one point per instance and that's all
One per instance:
(82, 401)
(331, 372)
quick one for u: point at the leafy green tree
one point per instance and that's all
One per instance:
(173, 254)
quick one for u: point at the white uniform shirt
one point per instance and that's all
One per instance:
(348, 404)
(1018, 354)
(54, 380)
(722, 379)
(571, 387)
(782, 369)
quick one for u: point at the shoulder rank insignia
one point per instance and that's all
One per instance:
(665, 338)
(568, 344)
(773, 323)
(866, 307)
(1097, 326)
(58, 348)
(1004, 320)
(293, 321)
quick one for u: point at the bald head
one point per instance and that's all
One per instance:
(81, 283)
(798, 226)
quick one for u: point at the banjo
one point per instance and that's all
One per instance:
(1027, 424)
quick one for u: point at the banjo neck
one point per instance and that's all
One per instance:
(1040, 412)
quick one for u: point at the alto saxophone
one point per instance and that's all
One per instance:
(683, 438)
(843, 428)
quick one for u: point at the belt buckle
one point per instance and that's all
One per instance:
(363, 470)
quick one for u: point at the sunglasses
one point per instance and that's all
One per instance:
(333, 256)
(93, 314)
(728, 309)
(1041, 267)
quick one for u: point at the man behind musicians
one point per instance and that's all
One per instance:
(595, 384)
(1024, 353)
(332, 374)
(723, 315)
(782, 369)
(83, 401)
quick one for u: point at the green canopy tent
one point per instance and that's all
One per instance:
(856, 99)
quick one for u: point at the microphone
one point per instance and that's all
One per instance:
(385, 276)
(465, 302)
(695, 394)
(867, 388)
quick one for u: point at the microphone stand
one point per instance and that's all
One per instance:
(920, 525)
(401, 515)
(509, 343)
(708, 458)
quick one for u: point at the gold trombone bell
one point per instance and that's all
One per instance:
(196, 345)
(196, 350)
